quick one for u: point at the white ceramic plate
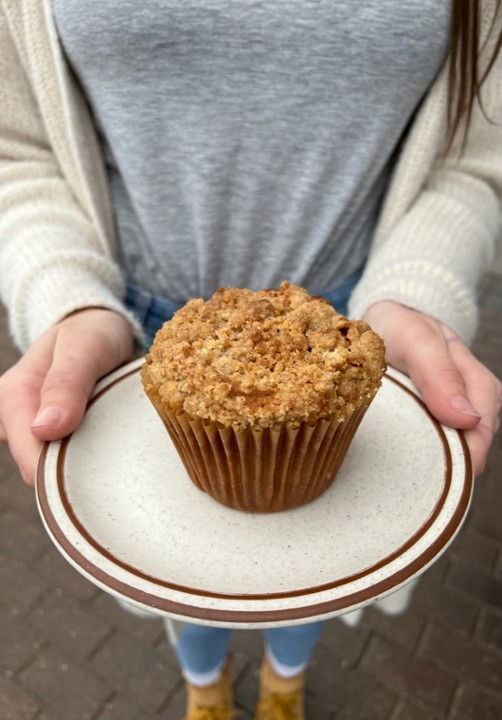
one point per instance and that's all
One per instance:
(117, 502)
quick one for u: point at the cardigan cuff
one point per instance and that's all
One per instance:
(57, 291)
(422, 286)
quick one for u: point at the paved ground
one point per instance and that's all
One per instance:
(68, 652)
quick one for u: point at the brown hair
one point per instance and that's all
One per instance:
(466, 78)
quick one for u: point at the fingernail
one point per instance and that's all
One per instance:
(49, 416)
(461, 404)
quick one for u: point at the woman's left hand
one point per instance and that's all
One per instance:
(456, 387)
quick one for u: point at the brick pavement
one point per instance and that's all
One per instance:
(68, 652)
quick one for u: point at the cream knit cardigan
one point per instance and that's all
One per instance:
(435, 237)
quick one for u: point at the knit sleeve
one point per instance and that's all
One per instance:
(52, 261)
(433, 257)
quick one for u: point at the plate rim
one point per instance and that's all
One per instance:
(239, 617)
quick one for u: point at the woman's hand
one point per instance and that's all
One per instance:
(458, 390)
(44, 396)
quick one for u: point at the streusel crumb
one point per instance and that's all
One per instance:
(263, 358)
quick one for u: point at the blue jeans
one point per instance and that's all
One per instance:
(200, 649)
(153, 310)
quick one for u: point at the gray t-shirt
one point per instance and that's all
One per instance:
(250, 142)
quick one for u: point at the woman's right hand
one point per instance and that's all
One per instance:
(44, 395)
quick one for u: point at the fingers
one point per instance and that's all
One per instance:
(44, 396)
(18, 404)
(457, 389)
(24, 446)
(443, 385)
(484, 393)
(479, 441)
(422, 351)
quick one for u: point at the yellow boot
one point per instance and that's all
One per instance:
(214, 702)
(280, 698)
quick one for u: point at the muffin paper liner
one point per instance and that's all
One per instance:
(260, 470)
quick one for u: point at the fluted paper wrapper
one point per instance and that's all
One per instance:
(261, 470)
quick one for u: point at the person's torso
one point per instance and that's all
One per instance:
(250, 142)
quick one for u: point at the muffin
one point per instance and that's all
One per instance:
(262, 392)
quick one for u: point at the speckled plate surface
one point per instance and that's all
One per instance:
(117, 502)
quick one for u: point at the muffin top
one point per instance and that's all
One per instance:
(261, 359)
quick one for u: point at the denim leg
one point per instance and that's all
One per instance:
(293, 646)
(201, 648)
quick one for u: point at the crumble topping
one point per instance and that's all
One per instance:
(260, 359)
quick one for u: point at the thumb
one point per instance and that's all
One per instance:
(83, 353)
(63, 399)
(439, 380)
